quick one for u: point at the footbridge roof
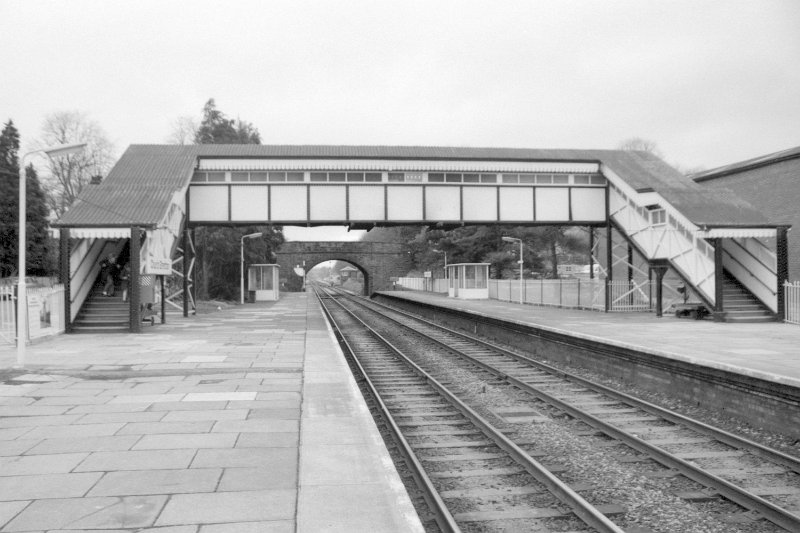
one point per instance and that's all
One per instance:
(145, 181)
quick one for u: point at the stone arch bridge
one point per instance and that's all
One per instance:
(377, 261)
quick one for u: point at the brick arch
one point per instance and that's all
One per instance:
(377, 261)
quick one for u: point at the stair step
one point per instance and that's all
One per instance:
(93, 323)
(749, 319)
(100, 329)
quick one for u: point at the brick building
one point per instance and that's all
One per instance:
(771, 183)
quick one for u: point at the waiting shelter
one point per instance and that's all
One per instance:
(468, 281)
(263, 283)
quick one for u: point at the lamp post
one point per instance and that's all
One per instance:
(514, 239)
(445, 260)
(22, 270)
(241, 264)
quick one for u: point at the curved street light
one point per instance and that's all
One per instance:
(445, 260)
(514, 239)
(241, 264)
(22, 270)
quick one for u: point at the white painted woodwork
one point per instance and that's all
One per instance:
(675, 241)
(442, 203)
(588, 204)
(398, 165)
(288, 203)
(480, 204)
(328, 203)
(249, 203)
(552, 204)
(761, 279)
(516, 204)
(209, 203)
(367, 203)
(405, 203)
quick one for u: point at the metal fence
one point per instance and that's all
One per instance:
(422, 284)
(575, 293)
(8, 302)
(792, 302)
(45, 312)
(624, 296)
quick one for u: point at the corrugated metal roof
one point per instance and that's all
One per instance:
(139, 188)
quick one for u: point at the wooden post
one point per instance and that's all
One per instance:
(660, 271)
(609, 264)
(630, 273)
(163, 302)
(135, 280)
(591, 252)
(186, 262)
(719, 314)
(782, 273)
(65, 276)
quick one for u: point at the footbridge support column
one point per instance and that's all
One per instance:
(134, 282)
(719, 314)
(65, 276)
(660, 270)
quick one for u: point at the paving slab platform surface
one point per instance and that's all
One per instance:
(244, 420)
(769, 351)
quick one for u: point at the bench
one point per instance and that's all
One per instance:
(696, 311)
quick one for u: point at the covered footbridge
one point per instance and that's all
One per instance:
(645, 217)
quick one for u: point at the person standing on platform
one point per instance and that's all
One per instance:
(108, 274)
(124, 277)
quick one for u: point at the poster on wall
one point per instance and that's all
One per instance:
(43, 316)
(158, 260)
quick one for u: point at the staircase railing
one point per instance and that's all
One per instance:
(674, 239)
(84, 263)
(754, 266)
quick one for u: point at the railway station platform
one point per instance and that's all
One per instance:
(244, 420)
(767, 351)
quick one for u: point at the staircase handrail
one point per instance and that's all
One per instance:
(633, 222)
(751, 273)
(86, 256)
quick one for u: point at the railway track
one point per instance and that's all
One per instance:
(473, 477)
(712, 465)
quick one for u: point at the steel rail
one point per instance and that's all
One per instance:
(771, 512)
(444, 519)
(721, 435)
(583, 509)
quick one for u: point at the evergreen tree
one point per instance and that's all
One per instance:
(216, 128)
(218, 247)
(36, 211)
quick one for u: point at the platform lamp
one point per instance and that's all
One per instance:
(22, 297)
(445, 260)
(241, 264)
(514, 239)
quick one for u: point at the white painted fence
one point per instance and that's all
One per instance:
(570, 293)
(422, 284)
(45, 312)
(8, 302)
(792, 302)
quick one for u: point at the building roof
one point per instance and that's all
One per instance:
(140, 187)
(749, 164)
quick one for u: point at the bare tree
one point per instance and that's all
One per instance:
(642, 145)
(647, 145)
(184, 129)
(68, 175)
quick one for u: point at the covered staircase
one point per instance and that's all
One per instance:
(103, 314)
(741, 305)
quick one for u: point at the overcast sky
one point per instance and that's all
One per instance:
(712, 82)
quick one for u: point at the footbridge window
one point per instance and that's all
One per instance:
(296, 176)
